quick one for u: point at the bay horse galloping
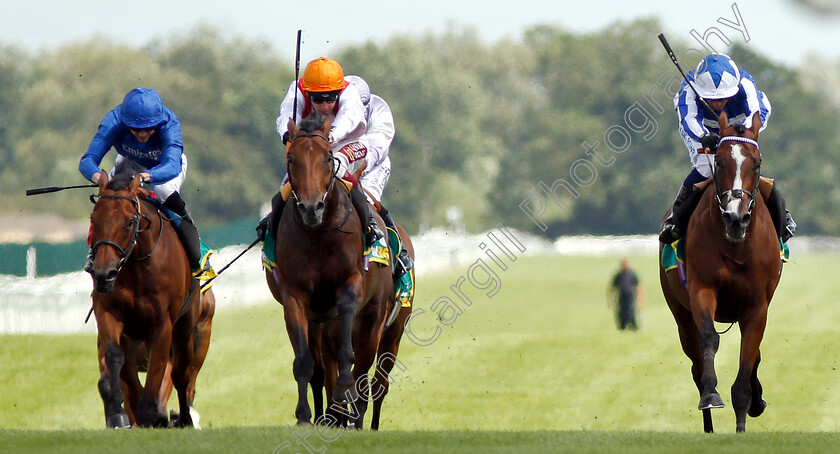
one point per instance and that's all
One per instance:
(732, 269)
(145, 302)
(320, 276)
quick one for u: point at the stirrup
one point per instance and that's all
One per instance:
(669, 233)
(373, 235)
(403, 265)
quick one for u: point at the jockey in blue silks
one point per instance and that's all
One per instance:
(728, 88)
(147, 137)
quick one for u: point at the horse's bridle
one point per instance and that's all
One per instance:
(332, 180)
(125, 253)
(734, 194)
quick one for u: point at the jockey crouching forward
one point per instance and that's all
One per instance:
(725, 87)
(147, 137)
(380, 134)
(323, 91)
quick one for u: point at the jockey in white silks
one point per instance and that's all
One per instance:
(726, 88)
(380, 134)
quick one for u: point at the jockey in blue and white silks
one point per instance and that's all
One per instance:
(726, 88)
(147, 137)
(716, 79)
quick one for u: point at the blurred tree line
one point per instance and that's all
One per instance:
(577, 130)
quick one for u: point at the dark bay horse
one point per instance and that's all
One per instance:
(732, 269)
(320, 276)
(146, 304)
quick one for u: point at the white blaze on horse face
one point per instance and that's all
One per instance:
(739, 158)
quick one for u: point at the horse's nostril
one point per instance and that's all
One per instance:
(320, 206)
(112, 275)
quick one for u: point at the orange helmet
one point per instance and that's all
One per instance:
(323, 74)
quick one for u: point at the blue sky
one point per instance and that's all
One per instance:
(777, 28)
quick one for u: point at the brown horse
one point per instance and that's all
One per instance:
(145, 301)
(320, 275)
(732, 269)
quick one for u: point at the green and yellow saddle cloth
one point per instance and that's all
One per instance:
(382, 252)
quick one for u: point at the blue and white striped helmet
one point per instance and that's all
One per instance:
(717, 77)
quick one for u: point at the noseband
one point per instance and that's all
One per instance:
(723, 198)
(135, 230)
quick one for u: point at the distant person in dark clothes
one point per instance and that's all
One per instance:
(624, 292)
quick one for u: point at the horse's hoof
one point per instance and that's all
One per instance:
(709, 401)
(118, 421)
(757, 408)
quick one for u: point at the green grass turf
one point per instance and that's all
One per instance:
(538, 362)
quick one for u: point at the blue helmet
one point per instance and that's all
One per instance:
(717, 77)
(142, 108)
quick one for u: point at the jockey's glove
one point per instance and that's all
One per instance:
(710, 141)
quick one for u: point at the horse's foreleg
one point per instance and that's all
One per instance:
(159, 352)
(316, 343)
(111, 360)
(297, 326)
(758, 403)
(183, 352)
(709, 342)
(752, 331)
(348, 303)
(129, 383)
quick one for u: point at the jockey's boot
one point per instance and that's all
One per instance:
(187, 232)
(268, 224)
(790, 227)
(370, 229)
(404, 262)
(782, 219)
(670, 232)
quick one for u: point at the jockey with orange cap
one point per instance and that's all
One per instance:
(323, 91)
(728, 88)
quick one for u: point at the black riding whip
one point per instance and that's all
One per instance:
(297, 71)
(47, 190)
(230, 263)
(677, 63)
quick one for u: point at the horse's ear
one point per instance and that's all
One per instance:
(756, 124)
(103, 181)
(327, 125)
(292, 127)
(723, 122)
(135, 183)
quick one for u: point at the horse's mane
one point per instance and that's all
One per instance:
(312, 123)
(120, 181)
